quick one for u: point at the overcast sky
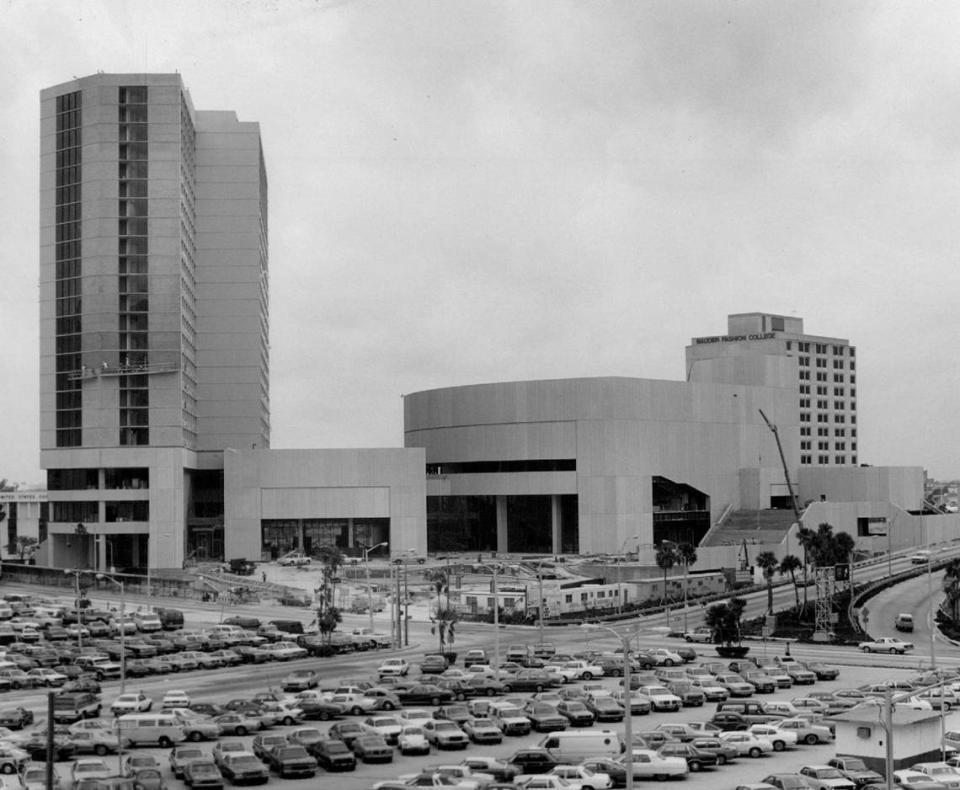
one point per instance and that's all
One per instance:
(463, 192)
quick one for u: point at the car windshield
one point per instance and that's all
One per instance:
(829, 773)
(203, 769)
(189, 754)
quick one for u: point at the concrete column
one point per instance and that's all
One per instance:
(101, 544)
(350, 535)
(300, 534)
(555, 524)
(501, 525)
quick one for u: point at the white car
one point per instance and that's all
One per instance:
(826, 777)
(175, 698)
(666, 658)
(647, 764)
(136, 702)
(415, 717)
(147, 622)
(463, 773)
(781, 739)
(285, 651)
(886, 644)
(575, 670)
(354, 704)
(546, 782)
(701, 634)
(712, 691)
(397, 667)
(746, 743)
(387, 727)
(34, 777)
(583, 775)
(413, 740)
(807, 731)
(90, 768)
(939, 772)
(294, 560)
(661, 698)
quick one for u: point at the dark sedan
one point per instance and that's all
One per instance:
(531, 680)
(422, 694)
(318, 709)
(333, 755)
(372, 749)
(697, 759)
(578, 714)
(291, 761)
(605, 708)
(534, 761)
(544, 717)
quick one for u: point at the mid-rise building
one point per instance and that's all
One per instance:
(825, 375)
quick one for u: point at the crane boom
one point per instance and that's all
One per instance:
(783, 462)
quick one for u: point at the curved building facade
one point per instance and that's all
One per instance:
(599, 465)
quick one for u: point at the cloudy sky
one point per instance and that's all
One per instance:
(477, 191)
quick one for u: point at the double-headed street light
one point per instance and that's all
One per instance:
(627, 697)
(123, 629)
(366, 565)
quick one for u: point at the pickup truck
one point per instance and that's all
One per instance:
(364, 639)
(101, 667)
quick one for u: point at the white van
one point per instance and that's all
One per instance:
(150, 729)
(572, 746)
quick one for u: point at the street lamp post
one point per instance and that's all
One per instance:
(76, 600)
(495, 569)
(123, 629)
(933, 618)
(620, 558)
(366, 565)
(627, 698)
(540, 607)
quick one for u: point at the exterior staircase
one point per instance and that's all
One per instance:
(753, 526)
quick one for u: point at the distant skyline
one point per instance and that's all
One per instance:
(464, 192)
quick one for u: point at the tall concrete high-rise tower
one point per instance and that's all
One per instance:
(154, 354)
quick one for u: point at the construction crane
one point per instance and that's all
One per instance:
(783, 462)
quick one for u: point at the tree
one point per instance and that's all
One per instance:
(806, 538)
(327, 621)
(951, 587)
(768, 563)
(724, 620)
(328, 616)
(791, 564)
(444, 617)
(666, 558)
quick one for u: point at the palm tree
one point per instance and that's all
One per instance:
(791, 564)
(768, 563)
(666, 558)
(807, 538)
(444, 617)
(687, 554)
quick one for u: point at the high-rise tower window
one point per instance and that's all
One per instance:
(132, 248)
(69, 432)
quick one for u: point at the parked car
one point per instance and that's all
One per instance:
(291, 760)
(333, 755)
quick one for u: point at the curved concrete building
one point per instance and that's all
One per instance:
(602, 464)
